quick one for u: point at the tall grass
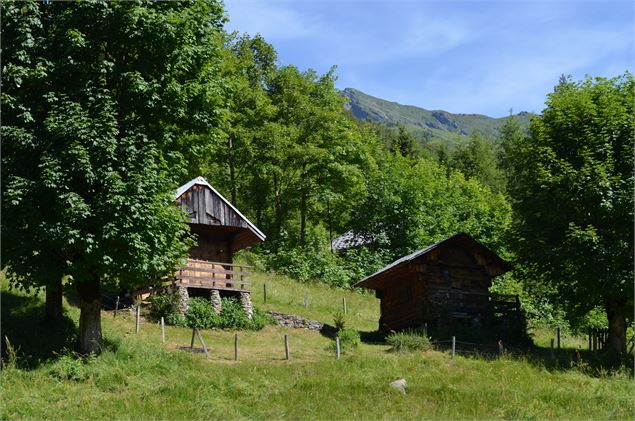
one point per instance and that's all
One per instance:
(139, 377)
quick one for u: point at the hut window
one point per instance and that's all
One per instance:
(446, 274)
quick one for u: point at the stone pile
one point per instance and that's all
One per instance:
(297, 322)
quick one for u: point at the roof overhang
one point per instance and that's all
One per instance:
(494, 264)
(249, 236)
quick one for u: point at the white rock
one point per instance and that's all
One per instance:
(400, 385)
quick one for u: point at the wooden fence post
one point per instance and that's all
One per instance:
(193, 334)
(116, 307)
(337, 347)
(453, 346)
(552, 356)
(137, 318)
(558, 335)
(286, 346)
(344, 304)
(594, 339)
(264, 293)
(501, 349)
(200, 338)
(162, 330)
(306, 298)
(236, 347)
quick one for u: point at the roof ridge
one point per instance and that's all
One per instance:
(202, 181)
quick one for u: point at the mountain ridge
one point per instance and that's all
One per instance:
(426, 125)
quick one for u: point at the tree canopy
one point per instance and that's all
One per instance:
(105, 106)
(571, 181)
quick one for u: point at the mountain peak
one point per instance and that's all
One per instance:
(424, 124)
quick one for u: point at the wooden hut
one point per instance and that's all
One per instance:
(442, 287)
(221, 231)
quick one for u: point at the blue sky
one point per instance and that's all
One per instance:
(483, 57)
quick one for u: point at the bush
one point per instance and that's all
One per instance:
(261, 319)
(201, 314)
(71, 367)
(176, 319)
(349, 340)
(339, 321)
(409, 340)
(166, 305)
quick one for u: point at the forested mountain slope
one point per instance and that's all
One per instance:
(426, 125)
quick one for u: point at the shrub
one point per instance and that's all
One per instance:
(166, 305)
(260, 319)
(349, 340)
(201, 314)
(339, 321)
(409, 340)
(71, 367)
(232, 315)
(176, 319)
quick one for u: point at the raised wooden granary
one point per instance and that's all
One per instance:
(221, 231)
(444, 288)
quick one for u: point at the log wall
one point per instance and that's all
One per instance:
(435, 289)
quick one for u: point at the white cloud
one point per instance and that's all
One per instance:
(274, 21)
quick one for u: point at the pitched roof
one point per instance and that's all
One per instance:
(201, 181)
(461, 236)
(351, 239)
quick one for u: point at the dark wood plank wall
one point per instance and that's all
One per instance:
(401, 304)
(205, 207)
(212, 250)
(434, 287)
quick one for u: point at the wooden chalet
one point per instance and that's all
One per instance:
(221, 231)
(443, 287)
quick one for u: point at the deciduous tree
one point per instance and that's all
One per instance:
(571, 181)
(106, 105)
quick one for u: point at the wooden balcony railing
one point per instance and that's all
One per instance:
(213, 275)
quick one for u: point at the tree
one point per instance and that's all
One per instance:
(413, 206)
(105, 107)
(478, 159)
(404, 143)
(571, 181)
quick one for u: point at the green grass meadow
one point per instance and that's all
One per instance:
(139, 377)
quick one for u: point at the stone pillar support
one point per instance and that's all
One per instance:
(214, 296)
(183, 297)
(245, 301)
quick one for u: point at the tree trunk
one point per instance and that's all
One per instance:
(303, 220)
(617, 327)
(277, 204)
(53, 308)
(90, 317)
(232, 169)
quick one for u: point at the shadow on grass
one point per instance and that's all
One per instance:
(35, 340)
(593, 363)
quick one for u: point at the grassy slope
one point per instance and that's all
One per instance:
(139, 377)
